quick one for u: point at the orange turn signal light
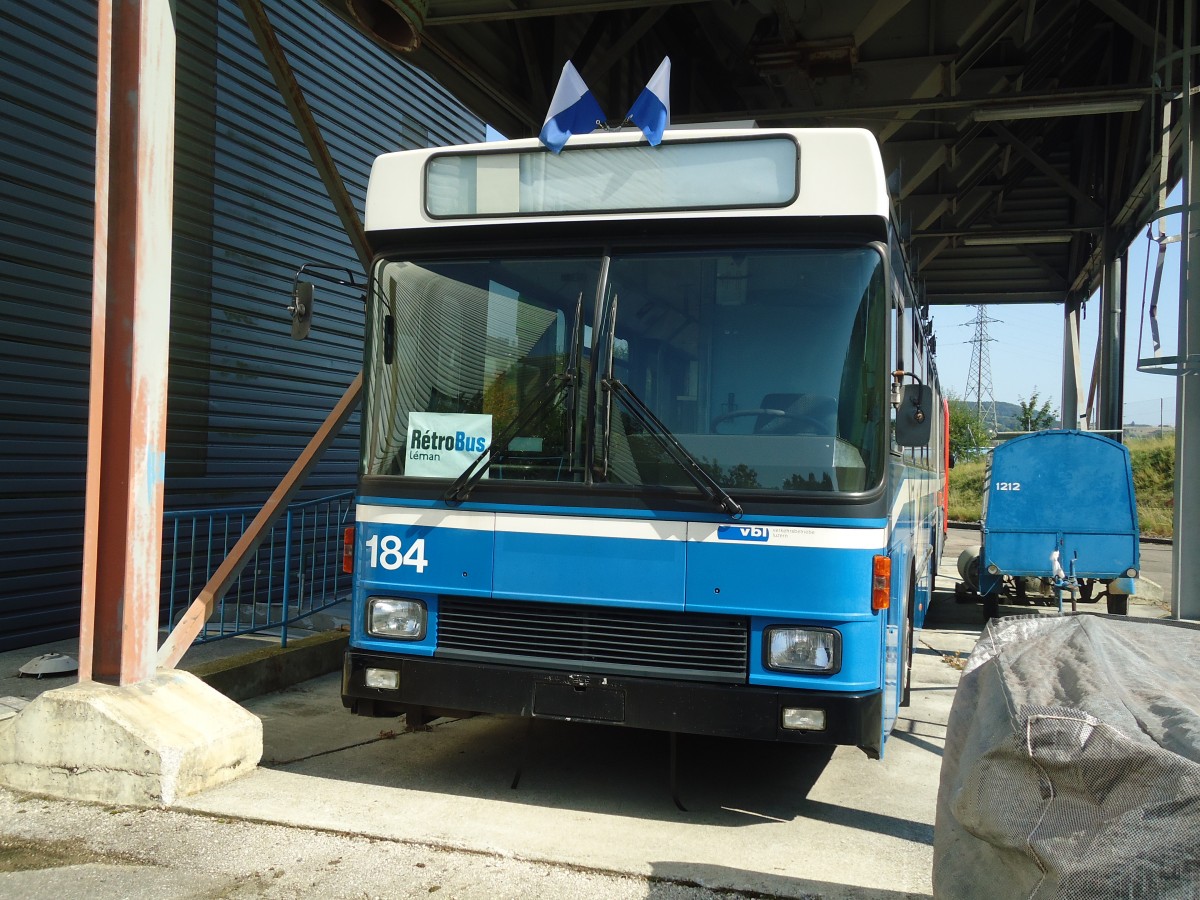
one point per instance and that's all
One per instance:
(881, 582)
(348, 550)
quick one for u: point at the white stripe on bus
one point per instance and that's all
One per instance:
(794, 536)
(579, 526)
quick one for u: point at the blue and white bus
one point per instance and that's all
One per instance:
(650, 437)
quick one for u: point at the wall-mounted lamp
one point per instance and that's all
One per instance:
(1007, 240)
(397, 23)
(1056, 110)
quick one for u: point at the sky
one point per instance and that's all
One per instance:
(1027, 340)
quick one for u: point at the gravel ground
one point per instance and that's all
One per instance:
(62, 849)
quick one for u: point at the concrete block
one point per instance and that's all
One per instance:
(1147, 590)
(146, 744)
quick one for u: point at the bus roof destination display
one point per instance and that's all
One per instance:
(747, 172)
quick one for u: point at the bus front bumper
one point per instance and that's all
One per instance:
(427, 688)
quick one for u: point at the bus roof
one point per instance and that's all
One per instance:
(616, 175)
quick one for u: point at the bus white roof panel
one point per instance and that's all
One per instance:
(840, 174)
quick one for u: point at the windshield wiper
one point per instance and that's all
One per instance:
(655, 427)
(546, 396)
(574, 362)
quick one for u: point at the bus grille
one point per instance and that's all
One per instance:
(594, 639)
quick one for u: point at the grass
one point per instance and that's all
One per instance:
(966, 491)
(1153, 483)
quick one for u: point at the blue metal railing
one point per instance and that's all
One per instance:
(296, 572)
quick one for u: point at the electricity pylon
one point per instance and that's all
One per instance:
(979, 378)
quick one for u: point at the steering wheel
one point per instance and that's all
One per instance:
(807, 424)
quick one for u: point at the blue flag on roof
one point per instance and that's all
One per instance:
(651, 111)
(573, 110)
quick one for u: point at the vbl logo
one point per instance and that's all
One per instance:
(743, 533)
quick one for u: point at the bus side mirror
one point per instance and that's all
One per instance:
(301, 309)
(914, 416)
(389, 339)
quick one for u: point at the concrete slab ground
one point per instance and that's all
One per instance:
(762, 819)
(343, 806)
(13, 684)
(206, 659)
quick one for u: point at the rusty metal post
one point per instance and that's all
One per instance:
(131, 292)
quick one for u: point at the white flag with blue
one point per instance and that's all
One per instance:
(651, 111)
(572, 111)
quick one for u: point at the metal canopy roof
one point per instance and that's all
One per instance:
(1014, 131)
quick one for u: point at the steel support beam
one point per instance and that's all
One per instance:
(598, 66)
(131, 301)
(963, 298)
(1112, 345)
(882, 12)
(306, 124)
(1086, 203)
(508, 13)
(1053, 233)
(934, 103)
(1072, 372)
(1185, 603)
(1133, 23)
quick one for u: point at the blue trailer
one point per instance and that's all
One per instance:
(1059, 505)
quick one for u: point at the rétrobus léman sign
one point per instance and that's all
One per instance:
(442, 445)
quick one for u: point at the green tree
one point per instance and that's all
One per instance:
(969, 433)
(1035, 418)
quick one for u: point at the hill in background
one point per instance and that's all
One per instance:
(1008, 416)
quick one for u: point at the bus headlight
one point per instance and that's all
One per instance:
(796, 718)
(396, 618)
(793, 649)
(389, 680)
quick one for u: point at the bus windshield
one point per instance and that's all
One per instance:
(767, 366)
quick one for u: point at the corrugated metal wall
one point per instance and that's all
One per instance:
(47, 161)
(249, 210)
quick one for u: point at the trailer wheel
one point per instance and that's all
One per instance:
(1118, 604)
(991, 607)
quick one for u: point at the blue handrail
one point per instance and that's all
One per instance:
(296, 572)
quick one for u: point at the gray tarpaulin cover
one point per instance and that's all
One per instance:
(1072, 763)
